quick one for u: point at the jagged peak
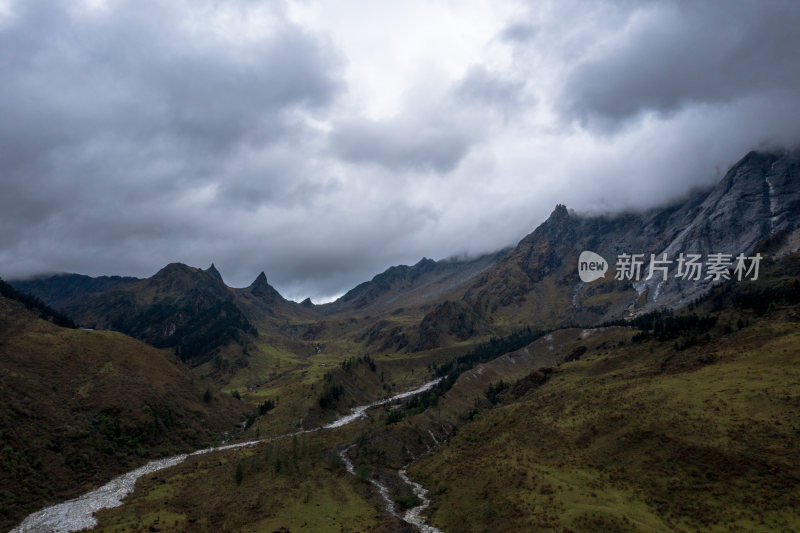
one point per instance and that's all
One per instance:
(307, 303)
(260, 287)
(214, 272)
(559, 213)
(180, 277)
(425, 262)
(260, 280)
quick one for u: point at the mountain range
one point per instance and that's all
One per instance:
(179, 360)
(755, 208)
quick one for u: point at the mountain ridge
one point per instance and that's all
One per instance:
(732, 217)
(536, 281)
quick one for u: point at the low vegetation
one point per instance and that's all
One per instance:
(78, 407)
(34, 304)
(638, 436)
(674, 421)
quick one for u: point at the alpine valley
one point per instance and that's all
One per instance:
(633, 404)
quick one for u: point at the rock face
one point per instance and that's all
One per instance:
(757, 199)
(754, 207)
(261, 288)
(214, 272)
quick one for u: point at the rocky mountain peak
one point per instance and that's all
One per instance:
(261, 288)
(425, 263)
(757, 199)
(560, 213)
(260, 280)
(174, 269)
(178, 279)
(173, 274)
(214, 272)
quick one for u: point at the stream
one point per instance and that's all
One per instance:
(78, 514)
(413, 515)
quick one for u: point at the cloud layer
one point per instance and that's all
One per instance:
(323, 141)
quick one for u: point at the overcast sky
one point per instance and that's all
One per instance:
(323, 141)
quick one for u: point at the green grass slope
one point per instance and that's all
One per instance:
(637, 437)
(291, 484)
(690, 424)
(78, 407)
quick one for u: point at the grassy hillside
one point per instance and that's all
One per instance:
(636, 437)
(292, 484)
(35, 305)
(78, 407)
(678, 421)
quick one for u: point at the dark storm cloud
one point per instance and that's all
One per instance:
(74, 81)
(112, 118)
(424, 143)
(70, 77)
(669, 56)
(276, 177)
(297, 139)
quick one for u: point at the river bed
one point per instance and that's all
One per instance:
(78, 514)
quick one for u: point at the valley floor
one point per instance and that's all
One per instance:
(631, 436)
